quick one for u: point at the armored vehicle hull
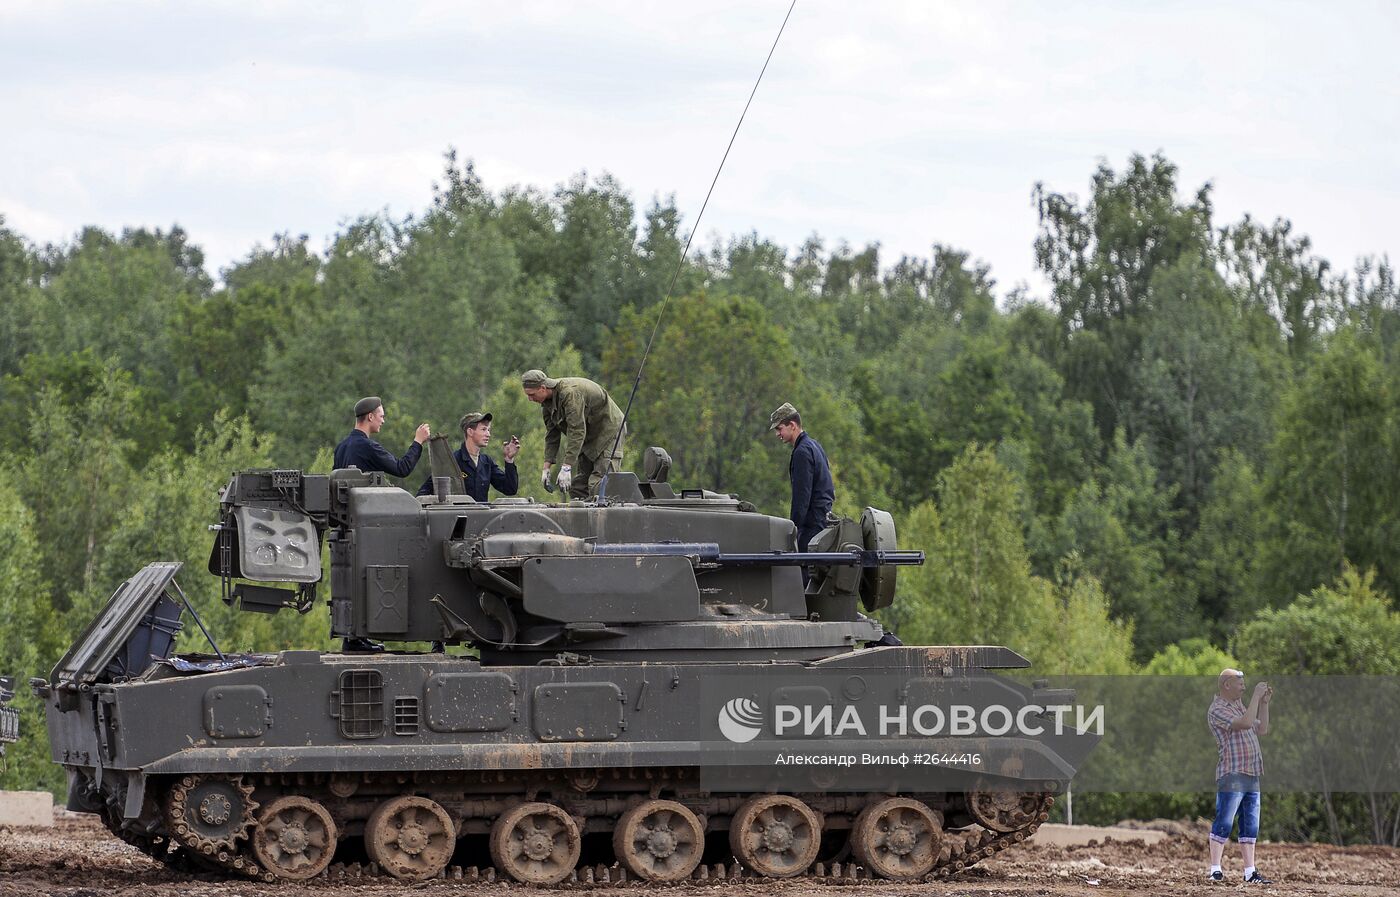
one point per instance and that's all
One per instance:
(9, 717)
(653, 704)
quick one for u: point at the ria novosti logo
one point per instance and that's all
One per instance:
(740, 720)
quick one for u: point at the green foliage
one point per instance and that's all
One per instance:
(977, 587)
(1198, 386)
(1332, 486)
(1276, 276)
(1193, 426)
(29, 640)
(1121, 527)
(1190, 657)
(79, 478)
(1074, 633)
(1224, 548)
(710, 409)
(1102, 259)
(1347, 628)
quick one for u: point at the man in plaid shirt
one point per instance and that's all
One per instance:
(1237, 729)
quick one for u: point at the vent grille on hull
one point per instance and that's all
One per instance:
(405, 716)
(361, 704)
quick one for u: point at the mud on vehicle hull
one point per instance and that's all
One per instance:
(411, 754)
(624, 709)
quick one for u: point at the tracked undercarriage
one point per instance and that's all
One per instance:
(658, 829)
(650, 691)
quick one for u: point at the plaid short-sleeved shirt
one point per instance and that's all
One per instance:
(1239, 748)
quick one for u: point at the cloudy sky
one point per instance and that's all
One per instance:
(903, 123)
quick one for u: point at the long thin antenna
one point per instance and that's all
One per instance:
(680, 263)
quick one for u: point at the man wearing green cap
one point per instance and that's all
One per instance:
(580, 415)
(813, 493)
(358, 450)
(479, 470)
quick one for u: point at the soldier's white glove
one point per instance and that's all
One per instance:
(544, 479)
(566, 478)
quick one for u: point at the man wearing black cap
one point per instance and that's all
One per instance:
(358, 450)
(813, 493)
(479, 470)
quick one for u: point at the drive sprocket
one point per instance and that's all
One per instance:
(210, 813)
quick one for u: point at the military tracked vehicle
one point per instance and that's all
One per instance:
(645, 684)
(9, 717)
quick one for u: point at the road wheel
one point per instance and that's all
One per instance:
(898, 838)
(775, 835)
(659, 840)
(411, 838)
(295, 838)
(535, 843)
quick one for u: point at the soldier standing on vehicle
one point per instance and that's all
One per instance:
(358, 450)
(582, 424)
(813, 493)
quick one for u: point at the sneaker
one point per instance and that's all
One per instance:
(1254, 878)
(1217, 876)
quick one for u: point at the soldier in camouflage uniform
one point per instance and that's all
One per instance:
(580, 415)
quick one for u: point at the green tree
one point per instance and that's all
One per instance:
(19, 299)
(977, 586)
(1331, 486)
(594, 259)
(79, 480)
(430, 313)
(1101, 260)
(1122, 527)
(1069, 630)
(1224, 548)
(717, 369)
(1200, 388)
(29, 642)
(1346, 628)
(1276, 273)
(1189, 657)
(119, 298)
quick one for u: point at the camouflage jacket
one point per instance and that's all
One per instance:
(584, 417)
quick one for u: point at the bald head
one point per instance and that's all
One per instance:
(1230, 683)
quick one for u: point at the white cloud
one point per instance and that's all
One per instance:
(902, 123)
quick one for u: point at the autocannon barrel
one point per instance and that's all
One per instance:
(709, 553)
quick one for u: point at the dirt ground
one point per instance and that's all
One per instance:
(78, 858)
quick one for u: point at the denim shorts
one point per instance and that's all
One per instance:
(1236, 794)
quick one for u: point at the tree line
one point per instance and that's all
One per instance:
(1179, 452)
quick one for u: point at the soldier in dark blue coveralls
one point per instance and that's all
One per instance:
(480, 473)
(812, 491)
(358, 450)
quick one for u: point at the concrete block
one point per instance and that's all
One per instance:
(26, 808)
(1058, 835)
